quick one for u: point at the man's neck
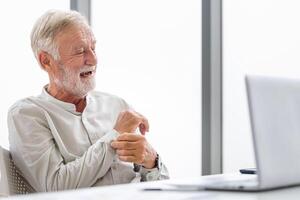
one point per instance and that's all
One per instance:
(62, 95)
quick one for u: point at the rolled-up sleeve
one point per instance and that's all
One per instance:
(37, 155)
(158, 173)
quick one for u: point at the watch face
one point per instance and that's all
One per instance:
(157, 162)
(136, 167)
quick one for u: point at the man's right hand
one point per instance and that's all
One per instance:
(129, 120)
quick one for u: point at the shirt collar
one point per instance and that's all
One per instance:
(65, 105)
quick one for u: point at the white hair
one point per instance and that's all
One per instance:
(48, 26)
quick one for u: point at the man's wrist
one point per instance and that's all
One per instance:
(154, 163)
(151, 174)
(157, 162)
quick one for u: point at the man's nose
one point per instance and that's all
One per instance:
(91, 58)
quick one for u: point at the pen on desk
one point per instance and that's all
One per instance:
(152, 189)
(248, 171)
(173, 189)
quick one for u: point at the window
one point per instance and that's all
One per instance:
(149, 53)
(259, 37)
(21, 75)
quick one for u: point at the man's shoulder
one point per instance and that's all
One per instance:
(23, 105)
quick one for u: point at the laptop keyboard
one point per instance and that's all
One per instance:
(235, 184)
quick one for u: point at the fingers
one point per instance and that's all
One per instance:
(142, 129)
(127, 158)
(134, 148)
(129, 121)
(123, 145)
(134, 155)
(130, 137)
(138, 158)
(144, 156)
(123, 152)
(144, 125)
(142, 122)
(129, 141)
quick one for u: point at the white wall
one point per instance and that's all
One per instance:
(20, 73)
(260, 37)
(150, 54)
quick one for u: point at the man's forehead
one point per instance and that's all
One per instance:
(82, 43)
(78, 35)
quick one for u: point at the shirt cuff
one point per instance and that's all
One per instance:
(110, 136)
(151, 174)
(107, 139)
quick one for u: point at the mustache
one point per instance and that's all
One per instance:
(81, 70)
(87, 69)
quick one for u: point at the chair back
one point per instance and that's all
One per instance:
(11, 179)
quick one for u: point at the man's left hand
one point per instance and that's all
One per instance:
(132, 147)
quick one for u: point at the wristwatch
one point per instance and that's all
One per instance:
(157, 162)
(137, 167)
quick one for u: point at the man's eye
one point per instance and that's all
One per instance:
(80, 51)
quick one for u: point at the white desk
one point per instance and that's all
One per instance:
(135, 192)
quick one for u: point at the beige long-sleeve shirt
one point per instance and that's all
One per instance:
(58, 148)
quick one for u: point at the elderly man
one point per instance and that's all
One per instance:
(70, 136)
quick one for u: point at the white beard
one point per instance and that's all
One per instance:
(71, 82)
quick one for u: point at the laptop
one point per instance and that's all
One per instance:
(274, 107)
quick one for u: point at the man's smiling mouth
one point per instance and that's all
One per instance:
(87, 74)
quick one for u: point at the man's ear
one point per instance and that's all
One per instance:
(45, 60)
